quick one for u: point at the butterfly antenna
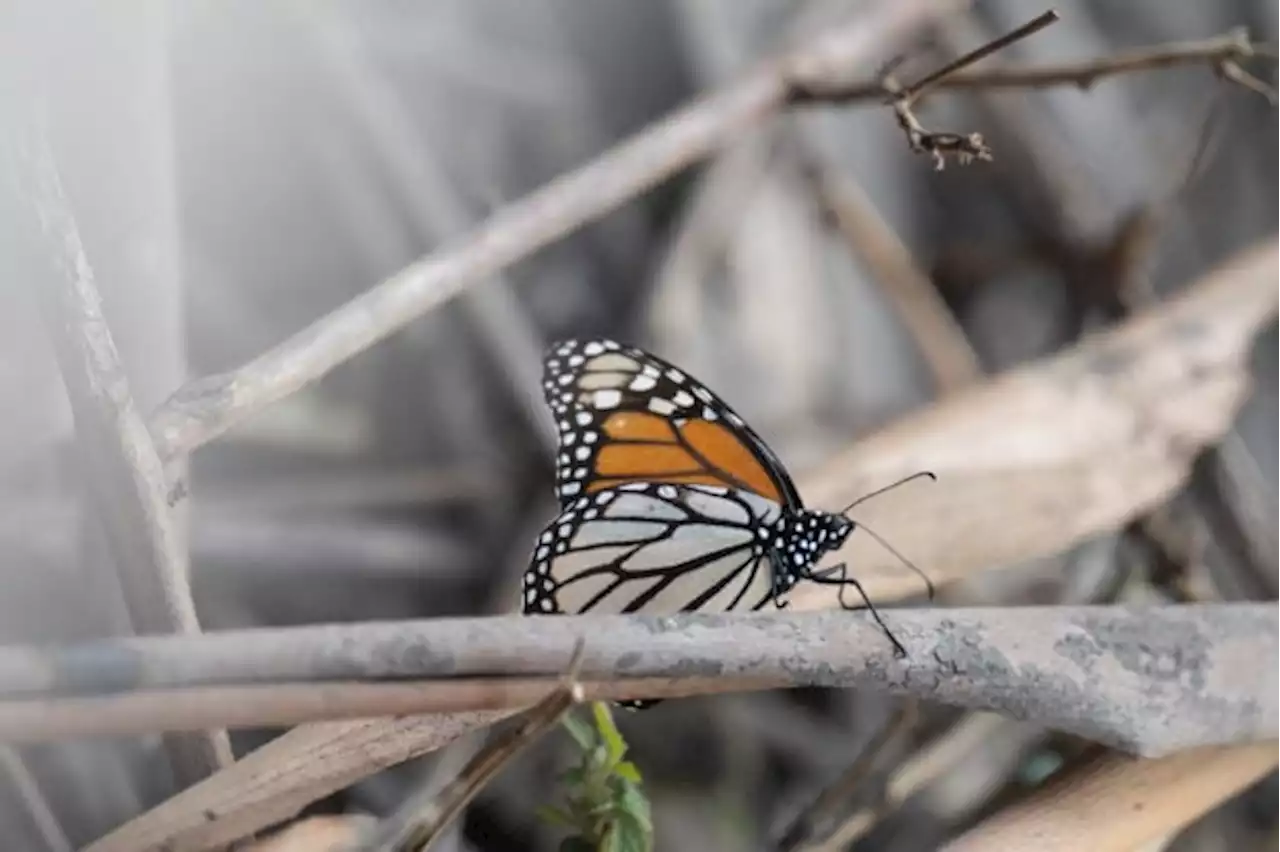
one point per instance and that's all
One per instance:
(928, 584)
(924, 474)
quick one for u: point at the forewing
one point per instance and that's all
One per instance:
(624, 416)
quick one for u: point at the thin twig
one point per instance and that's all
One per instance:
(1233, 46)
(135, 713)
(815, 823)
(920, 88)
(937, 757)
(922, 311)
(419, 822)
(27, 790)
(1000, 660)
(125, 476)
(208, 407)
(964, 147)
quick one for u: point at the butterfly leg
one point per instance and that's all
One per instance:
(838, 575)
(779, 588)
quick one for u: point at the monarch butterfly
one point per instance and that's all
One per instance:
(669, 501)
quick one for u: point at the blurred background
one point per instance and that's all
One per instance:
(240, 168)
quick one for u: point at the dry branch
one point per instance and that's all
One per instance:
(421, 820)
(1118, 803)
(1030, 464)
(124, 474)
(208, 407)
(1233, 46)
(287, 704)
(1149, 680)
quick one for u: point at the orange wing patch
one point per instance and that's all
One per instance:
(634, 426)
(725, 452)
(649, 450)
(649, 462)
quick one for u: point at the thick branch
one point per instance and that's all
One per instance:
(1148, 680)
(206, 408)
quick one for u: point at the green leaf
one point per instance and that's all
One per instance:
(628, 770)
(616, 745)
(629, 835)
(581, 732)
(634, 804)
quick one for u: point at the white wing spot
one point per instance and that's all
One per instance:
(682, 399)
(667, 492)
(608, 398)
(660, 406)
(643, 383)
(576, 360)
(582, 453)
(589, 437)
(583, 418)
(593, 348)
(708, 413)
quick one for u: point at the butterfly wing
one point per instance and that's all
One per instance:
(657, 548)
(624, 415)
